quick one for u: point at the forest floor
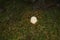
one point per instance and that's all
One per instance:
(15, 23)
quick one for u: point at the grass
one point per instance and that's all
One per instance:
(15, 23)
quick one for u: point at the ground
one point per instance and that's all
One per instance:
(15, 23)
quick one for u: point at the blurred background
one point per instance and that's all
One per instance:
(15, 19)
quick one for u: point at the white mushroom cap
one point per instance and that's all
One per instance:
(33, 20)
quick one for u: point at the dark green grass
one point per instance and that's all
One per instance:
(15, 23)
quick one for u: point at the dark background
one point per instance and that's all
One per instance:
(15, 19)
